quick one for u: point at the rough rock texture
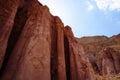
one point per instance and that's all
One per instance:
(108, 61)
(103, 53)
(94, 44)
(8, 11)
(80, 68)
(34, 45)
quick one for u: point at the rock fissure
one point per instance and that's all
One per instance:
(67, 57)
(19, 22)
(54, 55)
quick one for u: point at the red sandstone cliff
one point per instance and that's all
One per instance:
(34, 45)
(103, 53)
(108, 61)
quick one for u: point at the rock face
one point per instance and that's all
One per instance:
(8, 11)
(94, 44)
(108, 61)
(80, 68)
(34, 45)
(103, 53)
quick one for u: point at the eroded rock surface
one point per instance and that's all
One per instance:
(8, 10)
(108, 61)
(34, 45)
(79, 68)
(103, 53)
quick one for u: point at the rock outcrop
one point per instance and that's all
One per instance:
(8, 10)
(94, 44)
(103, 53)
(80, 68)
(108, 61)
(34, 45)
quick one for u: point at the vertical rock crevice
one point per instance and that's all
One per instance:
(67, 57)
(54, 55)
(19, 22)
(8, 9)
(58, 67)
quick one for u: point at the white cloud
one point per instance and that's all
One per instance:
(90, 7)
(102, 4)
(108, 4)
(115, 5)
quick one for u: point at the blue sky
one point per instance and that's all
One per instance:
(88, 17)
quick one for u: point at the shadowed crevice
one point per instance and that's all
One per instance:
(67, 56)
(19, 22)
(54, 55)
(95, 67)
